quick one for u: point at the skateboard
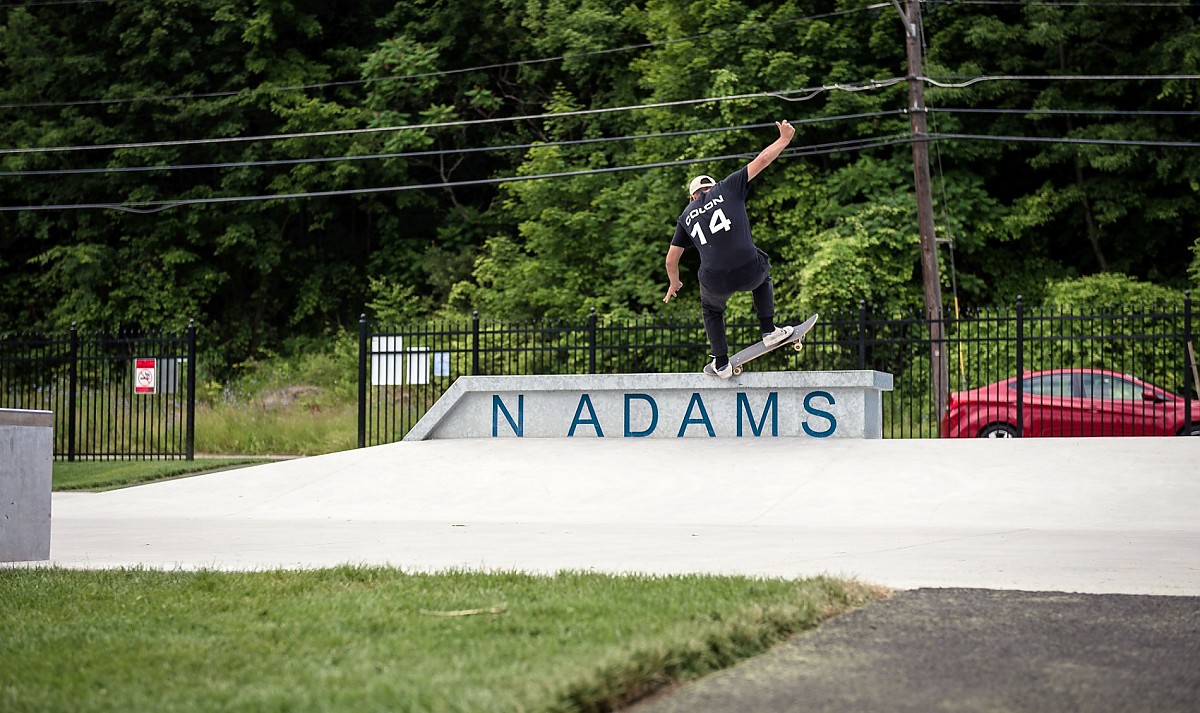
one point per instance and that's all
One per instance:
(754, 351)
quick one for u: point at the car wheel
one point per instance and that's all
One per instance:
(998, 430)
(1195, 430)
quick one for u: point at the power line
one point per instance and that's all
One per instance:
(848, 145)
(1066, 140)
(161, 205)
(438, 152)
(862, 86)
(575, 142)
(247, 91)
(804, 94)
(810, 92)
(422, 75)
(1023, 3)
(15, 5)
(1056, 77)
(146, 207)
(1053, 112)
(157, 206)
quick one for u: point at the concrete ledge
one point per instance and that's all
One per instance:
(821, 404)
(17, 417)
(26, 460)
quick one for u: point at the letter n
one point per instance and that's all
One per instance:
(498, 407)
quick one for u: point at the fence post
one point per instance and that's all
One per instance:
(73, 378)
(362, 381)
(1189, 362)
(592, 340)
(475, 343)
(862, 334)
(191, 390)
(1020, 371)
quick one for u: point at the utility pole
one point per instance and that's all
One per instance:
(938, 363)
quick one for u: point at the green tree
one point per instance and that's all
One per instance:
(1077, 208)
(441, 226)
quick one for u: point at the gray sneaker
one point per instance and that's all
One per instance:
(780, 334)
(711, 369)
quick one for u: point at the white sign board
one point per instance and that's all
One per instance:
(385, 361)
(441, 364)
(393, 365)
(418, 365)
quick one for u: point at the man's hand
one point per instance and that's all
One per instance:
(786, 130)
(672, 263)
(672, 290)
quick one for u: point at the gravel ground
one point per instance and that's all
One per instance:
(972, 650)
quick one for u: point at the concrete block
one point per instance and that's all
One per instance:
(26, 459)
(838, 404)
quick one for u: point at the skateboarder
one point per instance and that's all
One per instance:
(716, 224)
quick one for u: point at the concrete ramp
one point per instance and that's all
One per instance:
(1091, 515)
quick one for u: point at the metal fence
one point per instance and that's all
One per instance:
(129, 395)
(403, 370)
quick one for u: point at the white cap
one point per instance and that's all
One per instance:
(700, 182)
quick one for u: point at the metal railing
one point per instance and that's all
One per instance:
(403, 370)
(129, 395)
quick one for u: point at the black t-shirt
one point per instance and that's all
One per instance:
(716, 225)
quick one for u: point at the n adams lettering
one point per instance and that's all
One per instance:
(641, 416)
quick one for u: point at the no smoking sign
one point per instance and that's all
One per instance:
(144, 376)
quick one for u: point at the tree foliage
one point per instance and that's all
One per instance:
(413, 216)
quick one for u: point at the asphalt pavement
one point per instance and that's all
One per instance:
(972, 651)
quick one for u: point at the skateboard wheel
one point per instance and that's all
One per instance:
(737, 371)
(797, 345)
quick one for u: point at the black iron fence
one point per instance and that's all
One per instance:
(128, 395)
(132, 395)
(403, 370)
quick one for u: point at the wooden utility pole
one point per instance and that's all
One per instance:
(938, 363)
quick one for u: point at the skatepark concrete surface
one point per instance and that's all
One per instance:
(1083, 515)
(1015, 560)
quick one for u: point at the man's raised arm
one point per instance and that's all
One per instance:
(770, 153)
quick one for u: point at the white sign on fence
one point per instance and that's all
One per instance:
(441, 364)
(393, 365)
(385, 360)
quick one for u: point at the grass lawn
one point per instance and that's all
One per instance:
(365, 639)
(109, 474)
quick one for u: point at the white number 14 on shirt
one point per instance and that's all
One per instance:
(716, 224)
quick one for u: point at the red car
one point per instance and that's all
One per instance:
(1069, 402)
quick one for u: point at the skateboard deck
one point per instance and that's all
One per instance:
(754, 351)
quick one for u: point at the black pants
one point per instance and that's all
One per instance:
(712, 306)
